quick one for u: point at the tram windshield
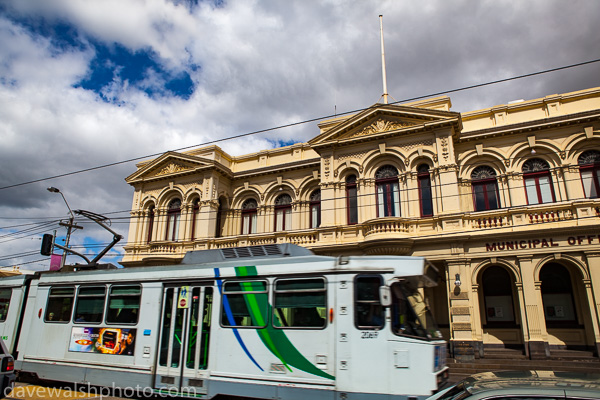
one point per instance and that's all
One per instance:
(410, 314)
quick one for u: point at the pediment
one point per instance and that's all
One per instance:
(169, 165)
(381, 120)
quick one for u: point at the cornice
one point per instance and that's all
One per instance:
(273, 169)
(539, 124)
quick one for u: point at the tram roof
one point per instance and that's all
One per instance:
(271, 259)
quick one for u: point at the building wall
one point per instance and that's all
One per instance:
(528, 259)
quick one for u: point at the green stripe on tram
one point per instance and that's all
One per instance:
(274, 339)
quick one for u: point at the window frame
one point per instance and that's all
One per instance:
(424, 175)
(277, 291)
(532, 173)
(80, 296)
(173, 220)
(151, 217)
(371, 302)
(315, 209)
(488, 177)
(251, 214)
(108, 301)
(49, 310)
(283, 213)
(5, 306)
(195, 214)
(351, 200)
(589, 162)
(390, 187)
(225, 298)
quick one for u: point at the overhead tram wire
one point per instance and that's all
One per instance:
(300, 123)
(117, 220)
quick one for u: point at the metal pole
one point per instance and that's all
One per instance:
(69, 226)
(385, 93)
(63, 259)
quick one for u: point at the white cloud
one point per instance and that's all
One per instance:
(262, 63)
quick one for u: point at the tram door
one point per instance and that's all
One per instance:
(184, 339)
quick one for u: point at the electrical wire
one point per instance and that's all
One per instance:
(479, 85)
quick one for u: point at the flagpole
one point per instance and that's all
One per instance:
(385, 93)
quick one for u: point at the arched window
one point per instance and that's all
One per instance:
(497, 296)
(388, 193)
(315, 209)
(283, 212)
(249, 216)
(538, 183)
(195, 216)
(150, 223)
(589, 168)
(557, 295)
(485, 188)
(425, 196)
(173, 219)
(351, 200)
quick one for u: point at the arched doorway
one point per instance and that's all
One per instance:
(564, 299)
(500, 317)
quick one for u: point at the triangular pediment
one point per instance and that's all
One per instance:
(378, 121)
(170, 165)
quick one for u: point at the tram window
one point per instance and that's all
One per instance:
(300, 303)
(123, 304)
(245, 304)
(60, 304)
(90, 304)
(369, 313)
(4, 302)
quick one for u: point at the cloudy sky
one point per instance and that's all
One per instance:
(89, 83)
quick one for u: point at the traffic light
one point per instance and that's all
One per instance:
(47, 240)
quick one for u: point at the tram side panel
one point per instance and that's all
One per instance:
(57, 346)
(372, 357)
(12, 301)
(272, 338)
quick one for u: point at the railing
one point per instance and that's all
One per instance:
(515, 219)
(386, 226)
(549, 216)
(170, 248)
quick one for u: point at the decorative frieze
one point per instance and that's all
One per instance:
(171, 169)
(382, 125)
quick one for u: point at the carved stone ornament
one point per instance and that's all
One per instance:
(382, 125)
(171, 168)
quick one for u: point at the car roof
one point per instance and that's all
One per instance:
(529, 382)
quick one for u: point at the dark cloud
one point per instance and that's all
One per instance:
(183, 73)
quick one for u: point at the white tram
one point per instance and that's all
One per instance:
(264, 322)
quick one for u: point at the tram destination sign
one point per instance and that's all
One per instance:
(541, 243)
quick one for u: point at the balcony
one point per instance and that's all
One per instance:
(390, 235)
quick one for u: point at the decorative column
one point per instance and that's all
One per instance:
(448, 172)
(593, 293)
(536, 337)
(462, 344)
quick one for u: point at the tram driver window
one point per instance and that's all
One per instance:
(4, 302)
(369, 313)
(90, 304)
(300, 303)
(60, 304)
(245, 304)
(123, 304)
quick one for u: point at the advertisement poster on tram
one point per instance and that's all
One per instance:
(119, 341)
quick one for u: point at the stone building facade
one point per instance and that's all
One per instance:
(503, 201)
